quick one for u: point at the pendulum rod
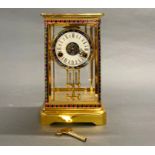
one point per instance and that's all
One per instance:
(73, 82)
(78, 83)
(67, 79)
(73, 86)
(78, 78)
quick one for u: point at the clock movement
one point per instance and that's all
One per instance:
(72, 69)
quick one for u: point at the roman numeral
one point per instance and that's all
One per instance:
(59, 49)
(83, 40)
(66, 36)
(60, 41)
(65, 60)
(73, 35)
(76, 62)
(79, 60)
(72, 62)
(69, 61)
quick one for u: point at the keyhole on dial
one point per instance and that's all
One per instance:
(72, 48)
(60, 54)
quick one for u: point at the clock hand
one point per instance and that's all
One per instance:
(81, 50)
(83, 53)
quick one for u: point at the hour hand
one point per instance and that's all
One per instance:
(83, 53)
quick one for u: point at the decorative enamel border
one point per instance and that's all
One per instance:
(80, 21)
(72, 105)
(46, 61)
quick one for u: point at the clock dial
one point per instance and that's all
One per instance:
(72, 48)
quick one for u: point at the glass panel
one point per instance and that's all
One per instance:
(73, 86)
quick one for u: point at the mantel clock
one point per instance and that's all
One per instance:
(72, 69)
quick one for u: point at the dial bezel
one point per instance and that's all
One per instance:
(72, 30)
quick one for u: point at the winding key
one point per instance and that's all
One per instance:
(70, 132)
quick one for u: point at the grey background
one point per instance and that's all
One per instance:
(128, 83)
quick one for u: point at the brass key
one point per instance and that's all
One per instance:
(70, 132)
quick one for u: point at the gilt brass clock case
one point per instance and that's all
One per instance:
(72, 91)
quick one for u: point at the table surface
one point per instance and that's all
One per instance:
(129, 122)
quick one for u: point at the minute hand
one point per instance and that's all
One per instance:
(83, 53)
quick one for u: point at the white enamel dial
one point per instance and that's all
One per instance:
(72, 48)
